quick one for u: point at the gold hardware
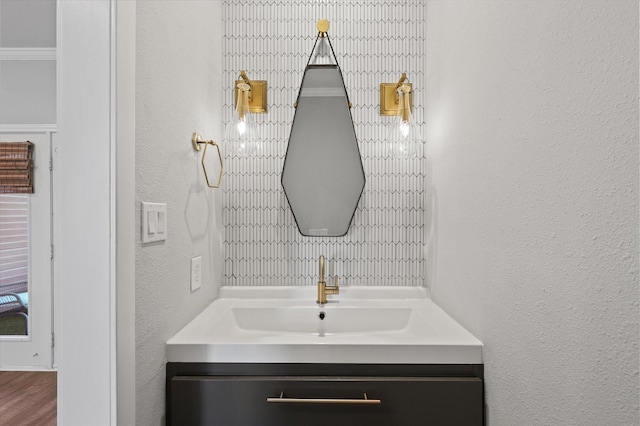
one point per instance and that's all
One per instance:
(257, 93)
(323, 289)
(390, 99)
(243, 104)
(406, 108)
(196, 141)
(403, 78)
(364, 401)
(323, 27)
(243, 75)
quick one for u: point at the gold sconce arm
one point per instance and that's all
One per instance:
(245, 86)
(243, 75)
(244, 90)
(406, 98)
(197, 141)
(390, 99)
(403, 78)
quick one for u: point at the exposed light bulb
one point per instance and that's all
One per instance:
(242, 127)
(404, 128)
(241, 134)
(404, 138)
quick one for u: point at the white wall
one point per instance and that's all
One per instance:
(178, 91)
(533, 145)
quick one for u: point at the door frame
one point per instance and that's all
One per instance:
(85, 220)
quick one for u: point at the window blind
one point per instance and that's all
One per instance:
(16, 167)
(14, 243)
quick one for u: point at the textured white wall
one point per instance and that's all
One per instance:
(533, 150)
(178, 91)
(375, 42)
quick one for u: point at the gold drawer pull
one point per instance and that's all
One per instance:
(363, 401)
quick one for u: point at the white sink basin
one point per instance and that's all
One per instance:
(321, 320)
(361, 325)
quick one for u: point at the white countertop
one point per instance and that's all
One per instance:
(401, 326)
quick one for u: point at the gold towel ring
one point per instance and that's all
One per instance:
(196, 141)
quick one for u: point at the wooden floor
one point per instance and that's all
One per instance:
(28, 398)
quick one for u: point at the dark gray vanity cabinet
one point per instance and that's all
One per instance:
(286, 394)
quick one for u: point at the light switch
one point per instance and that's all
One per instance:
(162, 221)
(154, 222)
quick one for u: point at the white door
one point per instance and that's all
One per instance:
(32, 350)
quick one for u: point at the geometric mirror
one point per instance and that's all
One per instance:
(323, 177)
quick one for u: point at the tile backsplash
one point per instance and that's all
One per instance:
(375, 42)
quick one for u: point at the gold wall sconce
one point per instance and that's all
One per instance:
(197, 141)
(404, 135)
(256, 93)
(390, 96)
(250, 97)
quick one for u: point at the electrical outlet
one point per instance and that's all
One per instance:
(196, 273)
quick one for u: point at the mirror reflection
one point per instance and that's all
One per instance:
(323, 177)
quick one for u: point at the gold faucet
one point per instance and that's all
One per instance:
(323, 289)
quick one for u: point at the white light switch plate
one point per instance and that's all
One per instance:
(154, 222)
(196, 273)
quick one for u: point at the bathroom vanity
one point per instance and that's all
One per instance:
(273, 356)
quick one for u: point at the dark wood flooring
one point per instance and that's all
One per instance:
(28, 398)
